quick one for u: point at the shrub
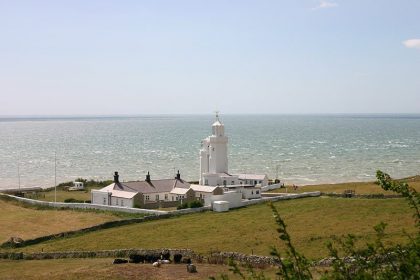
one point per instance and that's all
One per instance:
(196, 204)
(182, 206)
(73, 200)
(192, 204)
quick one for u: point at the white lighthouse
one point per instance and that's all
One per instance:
(214, 158)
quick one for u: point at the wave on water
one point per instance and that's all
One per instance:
(305, 149)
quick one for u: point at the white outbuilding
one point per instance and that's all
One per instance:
(220, 206)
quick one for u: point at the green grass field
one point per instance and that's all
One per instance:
(359, 187)
(63, 194)
(27, 222)
(311, 222)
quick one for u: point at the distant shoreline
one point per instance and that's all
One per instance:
(94, 116)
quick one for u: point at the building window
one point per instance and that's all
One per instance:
(157, 197)
(116, 202)
(233, 182)
(257, 192)
(206, 182)
(166, 196)
(252, 192)
(260, 181)
(172, 198)
(104, 201)
(147, 197)
(255, 182)
(224, 182)
(122, 202)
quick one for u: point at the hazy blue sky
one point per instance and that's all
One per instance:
(174, 56)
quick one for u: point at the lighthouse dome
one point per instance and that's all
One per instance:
(217, 127)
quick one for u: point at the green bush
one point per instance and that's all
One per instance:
(183, 206)
(195, 204)
(73, 200)
(192, 204)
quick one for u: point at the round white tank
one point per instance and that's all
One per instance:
(221, 206)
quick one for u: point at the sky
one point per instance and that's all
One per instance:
(194, 57)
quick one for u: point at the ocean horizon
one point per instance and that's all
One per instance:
(296, 148)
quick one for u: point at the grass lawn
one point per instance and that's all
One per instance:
(311, 222)
(359, 187)
(103, 269)
(27, 223)
(49, 195)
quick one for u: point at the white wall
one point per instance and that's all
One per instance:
(218, 180)
(271, 187)
(252, 182)
(122, 202)
(98, 197)
(234, 199)
(251, 193)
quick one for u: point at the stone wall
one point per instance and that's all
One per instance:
(373, 195)
(211, 258)
(86, 206)
(282, 196)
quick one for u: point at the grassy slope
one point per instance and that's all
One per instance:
(103, 269)
(26, 223)
(359, 187)
(310, 221)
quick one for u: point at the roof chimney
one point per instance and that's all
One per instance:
(178, 176)
(148, 177)
(116, 177)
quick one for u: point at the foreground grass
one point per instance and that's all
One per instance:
(311, 222)
(26, 222)
(359, 187)
(103, 269)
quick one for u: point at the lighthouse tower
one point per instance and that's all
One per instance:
(213, 153)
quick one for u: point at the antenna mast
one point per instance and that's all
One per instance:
(55, 176)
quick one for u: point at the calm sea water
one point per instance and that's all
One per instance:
(304, 149)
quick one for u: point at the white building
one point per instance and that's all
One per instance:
(247, 191)
(214, 162)
(203, 192)
(253, 179)
(145, 194)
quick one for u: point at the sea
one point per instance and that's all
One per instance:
(297, 149)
